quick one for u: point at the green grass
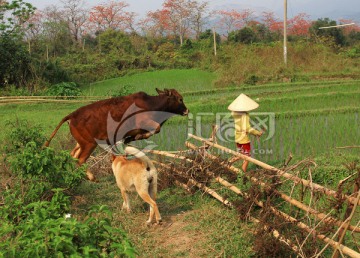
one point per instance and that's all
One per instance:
(184, 80)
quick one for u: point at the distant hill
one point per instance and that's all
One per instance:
(345, 9)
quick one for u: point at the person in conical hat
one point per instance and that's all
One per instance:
(239, 110)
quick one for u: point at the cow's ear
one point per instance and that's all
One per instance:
(159, 91)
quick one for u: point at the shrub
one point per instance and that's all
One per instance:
(44, 231)
(123, 90)
(21, 133)
(354, 52)
(32, 214)
(64, 89)
(59, 169)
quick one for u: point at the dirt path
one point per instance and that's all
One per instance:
(178, 236)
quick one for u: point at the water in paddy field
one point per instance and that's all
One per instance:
(304, 136)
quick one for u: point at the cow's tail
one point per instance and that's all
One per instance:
(141, 155)
(47, 143)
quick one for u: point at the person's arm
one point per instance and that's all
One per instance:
(251, 130)
(255, 132)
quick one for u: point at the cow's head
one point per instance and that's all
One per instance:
(175, 101)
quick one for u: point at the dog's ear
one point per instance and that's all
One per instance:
(113, 157)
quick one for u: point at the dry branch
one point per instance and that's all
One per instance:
(279, 172)
(300, 205)
(200, 186)
(347, 224)
(323, 217)
(336, 245)
(276, 234)
(230, 186)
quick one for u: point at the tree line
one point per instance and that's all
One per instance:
(72, 42)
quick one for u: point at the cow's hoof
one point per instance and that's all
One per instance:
(90, 176)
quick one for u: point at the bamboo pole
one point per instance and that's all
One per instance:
(50, 97)
(203, 187)
(279, 172)
(300, 205)
(178, 183)
(168, 154)
(212, 192)
(348, 147)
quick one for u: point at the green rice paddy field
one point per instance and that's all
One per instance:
(306, 119)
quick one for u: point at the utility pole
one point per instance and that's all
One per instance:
(285, 32)
(214, 33)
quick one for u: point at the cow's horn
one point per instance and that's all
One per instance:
(167, 92)
(159, 91)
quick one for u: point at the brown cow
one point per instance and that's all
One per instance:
(134, 117)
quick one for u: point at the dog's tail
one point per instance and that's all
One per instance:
(141, 155)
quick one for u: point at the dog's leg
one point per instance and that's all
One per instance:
(153, 192)
(146, 197)
(126, 203)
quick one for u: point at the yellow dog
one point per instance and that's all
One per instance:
(139, 173)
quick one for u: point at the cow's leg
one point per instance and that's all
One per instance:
(86, 150)
(76, 151)
(151, 126)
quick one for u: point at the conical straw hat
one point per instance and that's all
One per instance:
(243, 103)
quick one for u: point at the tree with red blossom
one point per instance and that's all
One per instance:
(111, 15)
(299, 25)
(271, 22)
(233, 19)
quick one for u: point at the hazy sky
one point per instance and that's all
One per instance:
(316, 8)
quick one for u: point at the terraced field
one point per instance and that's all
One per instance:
(308, 117)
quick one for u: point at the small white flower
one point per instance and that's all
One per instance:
(67, 216)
